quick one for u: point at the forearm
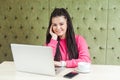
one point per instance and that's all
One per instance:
(74, 62)
(53, 44)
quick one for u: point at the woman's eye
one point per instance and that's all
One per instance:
(54, 25)
(61, 24)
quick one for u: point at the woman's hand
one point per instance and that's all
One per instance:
(57, 63)
(54, 36)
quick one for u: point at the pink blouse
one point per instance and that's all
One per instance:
(84, 55)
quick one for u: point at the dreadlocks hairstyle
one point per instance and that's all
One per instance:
(72, 49)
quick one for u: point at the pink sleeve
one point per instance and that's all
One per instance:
(53, 44)
(84, 55)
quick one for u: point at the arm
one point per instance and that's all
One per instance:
(84, 55)
(53, 44)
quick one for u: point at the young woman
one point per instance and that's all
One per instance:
(68, 48)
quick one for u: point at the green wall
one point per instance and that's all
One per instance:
(26, 22)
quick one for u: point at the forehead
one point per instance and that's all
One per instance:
(58, 19)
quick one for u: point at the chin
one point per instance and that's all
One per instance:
(59, 34)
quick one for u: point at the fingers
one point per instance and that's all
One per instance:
(57, 63)
(51, 32)
(54, 36)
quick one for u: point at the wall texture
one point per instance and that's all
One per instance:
(26, 22)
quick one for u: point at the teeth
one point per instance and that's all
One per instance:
(58, 31)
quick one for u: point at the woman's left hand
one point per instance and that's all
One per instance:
(57, 63)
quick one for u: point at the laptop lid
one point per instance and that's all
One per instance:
(33, 59)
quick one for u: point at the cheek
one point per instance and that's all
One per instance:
(54, 29)
(65, 29)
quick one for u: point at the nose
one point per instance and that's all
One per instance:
(58, 27)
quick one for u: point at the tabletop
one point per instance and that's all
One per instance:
(98, 72)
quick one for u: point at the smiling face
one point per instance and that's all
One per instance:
(59, 25)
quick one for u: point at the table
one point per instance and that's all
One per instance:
(98, 72)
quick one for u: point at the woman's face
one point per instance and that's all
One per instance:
(59, 25)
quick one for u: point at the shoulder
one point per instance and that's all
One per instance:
(79, 37)
(80, 40)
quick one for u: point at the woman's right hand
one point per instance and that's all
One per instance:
(54, 36)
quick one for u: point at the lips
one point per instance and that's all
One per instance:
(59, 31)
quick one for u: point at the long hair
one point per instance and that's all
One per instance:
(72, 49)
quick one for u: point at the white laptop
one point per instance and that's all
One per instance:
(33, 59)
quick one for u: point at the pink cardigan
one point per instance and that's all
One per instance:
(84, 55)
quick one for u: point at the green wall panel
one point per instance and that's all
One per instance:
(22, 21)
(113, 41)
